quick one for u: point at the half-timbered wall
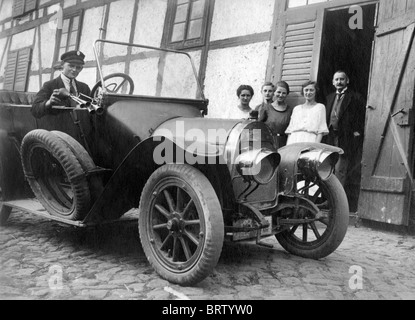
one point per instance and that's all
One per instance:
(235, 50)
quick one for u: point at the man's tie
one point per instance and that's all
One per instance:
(72, 89)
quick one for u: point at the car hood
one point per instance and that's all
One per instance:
(201, 136)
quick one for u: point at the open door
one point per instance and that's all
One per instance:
(387, 165)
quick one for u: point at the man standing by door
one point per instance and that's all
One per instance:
(46, 98)
(346, 111)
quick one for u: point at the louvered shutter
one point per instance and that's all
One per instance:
(30, 5)
(298, 54)
(9, 75)
(22, 70)
(18, 7)
(297, 42)
(17, 70)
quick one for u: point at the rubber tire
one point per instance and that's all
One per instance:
(4, 213)
(95, 182)
(339, 225)
(58, 149)
(210, 215)
(4, 210)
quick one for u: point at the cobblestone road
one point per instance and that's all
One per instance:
(40, 259)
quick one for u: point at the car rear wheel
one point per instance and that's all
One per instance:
(181, 224)
(318, 236)
(55, 175)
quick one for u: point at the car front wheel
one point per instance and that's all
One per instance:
(317, 236)
(181, 224)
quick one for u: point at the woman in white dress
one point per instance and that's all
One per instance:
(308, 120)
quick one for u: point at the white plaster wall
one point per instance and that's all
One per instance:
(6, 9)
(180, 81)
(22, 40)
(119, 25)
(47, 45)
(69, 3)
(150, 22)
(35, 53)
(33, 85)
(90, 31)
(227, 69)
(89, 76)
(113, 68)
(234, 18)
(144, 74)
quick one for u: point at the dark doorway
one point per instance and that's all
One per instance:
(346, 49)
(349, 50)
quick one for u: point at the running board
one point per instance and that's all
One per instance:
(35, 207)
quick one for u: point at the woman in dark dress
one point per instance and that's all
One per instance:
(278, 114)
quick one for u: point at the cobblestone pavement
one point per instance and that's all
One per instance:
(40, 259)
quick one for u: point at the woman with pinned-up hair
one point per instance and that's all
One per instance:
(278, 114)
(308, 121)
(243, 109)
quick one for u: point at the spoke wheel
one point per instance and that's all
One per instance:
(322, 232)
(181, 224)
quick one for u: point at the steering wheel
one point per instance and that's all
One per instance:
(115, 86)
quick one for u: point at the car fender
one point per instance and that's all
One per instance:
(290, 155)
(128, 179)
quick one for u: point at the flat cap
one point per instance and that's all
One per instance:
(73, 56)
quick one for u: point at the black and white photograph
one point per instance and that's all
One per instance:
(209, 156)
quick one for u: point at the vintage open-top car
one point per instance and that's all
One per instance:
(142, 141)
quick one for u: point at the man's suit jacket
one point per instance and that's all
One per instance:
(351, 119)
(39, 108)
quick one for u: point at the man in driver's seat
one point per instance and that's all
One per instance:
(47, 97)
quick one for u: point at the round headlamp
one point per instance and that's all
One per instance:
(258, 165)
(319, 163)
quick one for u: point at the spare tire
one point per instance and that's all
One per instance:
(95, 182)
(55, 175)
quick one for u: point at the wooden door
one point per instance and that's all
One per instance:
(389, 137)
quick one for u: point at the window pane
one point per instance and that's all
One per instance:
(195, 29)
(178, 32)
(181, 13)
(72, 40)
(198, 9)
(75, 24)
(182, 1)
(64, 40)
(65, 26)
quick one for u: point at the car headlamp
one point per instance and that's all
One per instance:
(318, 162)
(258, 165)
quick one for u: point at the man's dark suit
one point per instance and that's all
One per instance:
(351, 119)
(39, 108)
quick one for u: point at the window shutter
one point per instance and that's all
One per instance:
(18, 8)
(298, 54)
(30, 5)
(9, 75)
(22, 69)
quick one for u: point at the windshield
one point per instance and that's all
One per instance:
(127, 68)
